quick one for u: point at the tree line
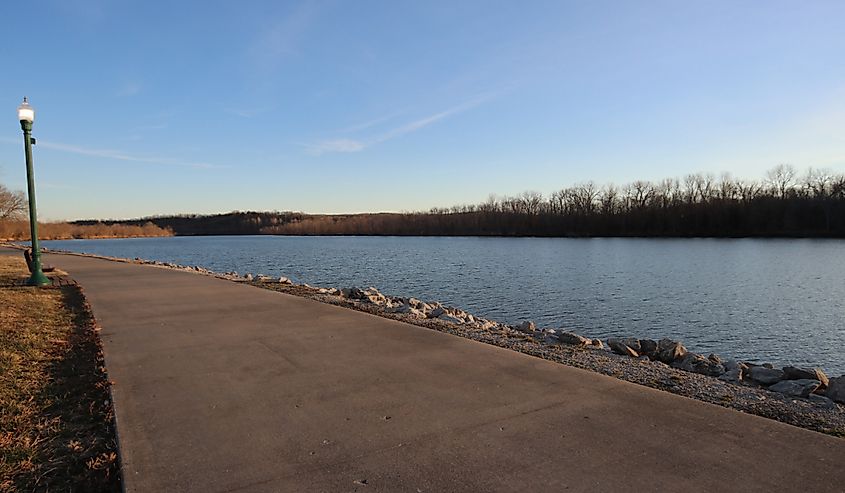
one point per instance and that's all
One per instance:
(18, 230)
(784, 203)
(15, 227)
(231, 223)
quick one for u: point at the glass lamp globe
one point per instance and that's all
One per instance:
(26, 113)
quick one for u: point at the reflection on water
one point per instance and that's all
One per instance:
(768, 300)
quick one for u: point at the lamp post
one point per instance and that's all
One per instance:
(26, 115)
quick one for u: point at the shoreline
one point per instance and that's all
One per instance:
(795, 236)
(70, 238)
(740, 385)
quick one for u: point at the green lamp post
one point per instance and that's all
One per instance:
(26, 115)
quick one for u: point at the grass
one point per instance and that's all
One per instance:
(56, 419)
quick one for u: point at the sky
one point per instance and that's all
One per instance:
(150, 107)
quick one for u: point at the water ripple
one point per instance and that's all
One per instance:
(770, 300)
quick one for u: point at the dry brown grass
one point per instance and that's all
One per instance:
(56, 419)
(19, 231)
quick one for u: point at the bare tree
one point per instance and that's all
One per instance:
(726, 188)
(557, 202)
(837, 187)
(748, 191)
(12, 204)
(668, 192)
(690, 190)
(491, 205)
(584, 196)
(781, 179)
(704, 186)
(641, 193)
(817, 182)
(609, 199)
(531, 202)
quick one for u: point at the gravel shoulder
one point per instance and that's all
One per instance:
(828, 418)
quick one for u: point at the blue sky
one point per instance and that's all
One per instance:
(154, 107)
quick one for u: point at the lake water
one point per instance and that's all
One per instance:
(779, 301)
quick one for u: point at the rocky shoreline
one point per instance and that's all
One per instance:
(803, 397)
(817, 412)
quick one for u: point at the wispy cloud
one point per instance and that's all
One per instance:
(357, 145)
(431, 119)
(249, 112)
(139, 132)
(122, 156)
(337, 145)
(152, 126)
(369, 123)
(129, 89)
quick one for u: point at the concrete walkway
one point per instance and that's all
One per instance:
(224, 387)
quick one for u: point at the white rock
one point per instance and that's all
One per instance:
(376, 299)
(796, 388)
(448, 318)
(836, 389)
(404, 308)
(572, 338)
(416, 313)
(527, 327)
(618, 347)
(795, 373)
(436, 312)
(732, 376)
(766, 376)
(822, 401)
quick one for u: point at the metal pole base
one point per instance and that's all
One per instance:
(38, 279)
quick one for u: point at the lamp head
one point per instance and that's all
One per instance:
(26, 113)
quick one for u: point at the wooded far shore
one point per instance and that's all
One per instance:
(18, 230)
(699, 205)
(783, 204)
